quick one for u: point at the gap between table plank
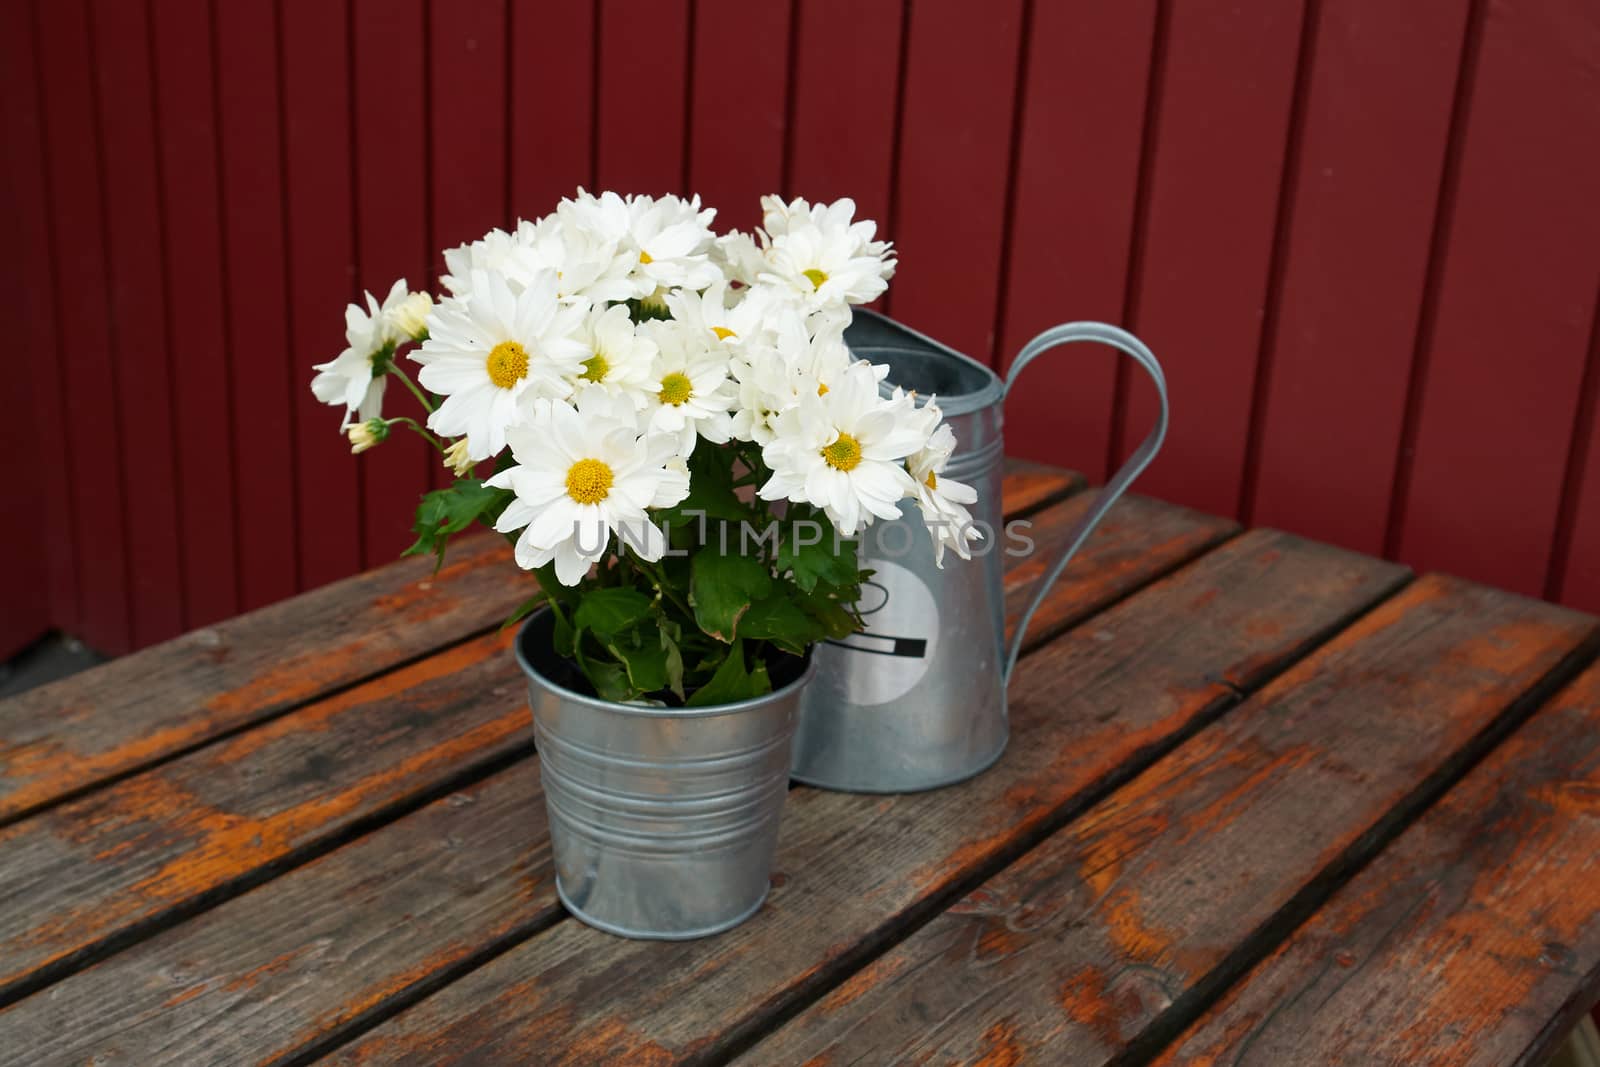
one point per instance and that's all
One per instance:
(861, 872)
(1492, 896)
(1162, 541)
(1114, 932)
(61, 740)
(89, 877)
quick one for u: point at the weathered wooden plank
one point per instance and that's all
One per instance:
(1135, 534)
(270, 974)
(301, 1010)
(63, 738)
(1474, 939)
(1086, 710)
(125, 858)
(1030, 486)
(1132, 911)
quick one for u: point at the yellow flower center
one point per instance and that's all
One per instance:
(817, 277)
(822, 388)
(507, 363)
(675, 388)
(595, 368)
(933, 481)
(723, 333)
(645, 258)
(844, 454)
(589, 481)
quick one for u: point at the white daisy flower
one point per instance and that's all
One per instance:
(666, 239)
(587, 265)
(739, 257)
(828, 266)
(690, 391)
(581, 475)
(943, 500)
(496, 252)
(456, 459)
(844, 451)
(621, 358)
(409, 319)
(729, 319)
(485, 351)
(347, 378)
(765, 391)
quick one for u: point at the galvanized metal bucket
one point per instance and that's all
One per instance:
(918, 699)
(663, 821)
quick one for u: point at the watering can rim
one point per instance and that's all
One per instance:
(991, 393)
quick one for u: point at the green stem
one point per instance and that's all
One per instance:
(658, 578)
(415, 425)
(422, 398)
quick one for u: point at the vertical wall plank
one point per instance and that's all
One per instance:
(391, 224)
(134, 246)
(316, 103)
(1213, 202)
(845, 86)
(72, 148)
(1373, 145)
(955, 141)
(1072, 218)
(205, 432)
(737, 120)
(1577, 569)
(1506, 352)
(643, 55)
(468, 83)
(36, 402)
(552, 105)
(259, 309)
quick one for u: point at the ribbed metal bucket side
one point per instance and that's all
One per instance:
(663, 821)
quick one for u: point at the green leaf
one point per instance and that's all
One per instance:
(674, 658)
(779, 620)
(447, 511)
(813, 563)
(832, 610)
(610, 611)
(722, 588)
(610, 681)
(524, 609)
(645, 664)
(732, 682)
(711, 492)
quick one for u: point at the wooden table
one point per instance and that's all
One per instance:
(1266, 801)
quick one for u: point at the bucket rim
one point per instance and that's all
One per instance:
(991, 393)
(643, 711)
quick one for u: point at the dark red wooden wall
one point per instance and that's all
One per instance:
(1364, 237)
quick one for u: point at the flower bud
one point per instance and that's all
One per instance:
(411, 316)
(365, 435)
(457, 460)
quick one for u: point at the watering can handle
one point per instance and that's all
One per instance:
(1128, 345)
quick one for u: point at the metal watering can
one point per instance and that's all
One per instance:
(917, 700)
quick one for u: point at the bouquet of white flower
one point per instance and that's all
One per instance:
(683, 447)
